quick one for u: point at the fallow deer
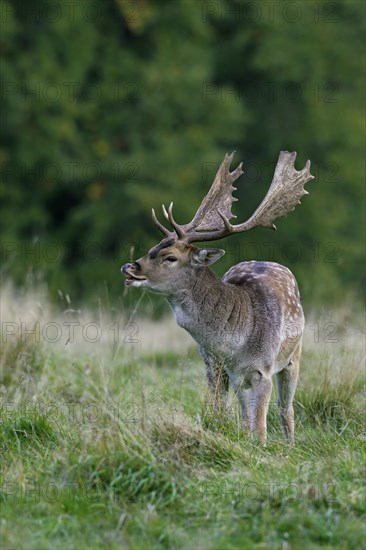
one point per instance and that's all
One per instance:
(249, 324)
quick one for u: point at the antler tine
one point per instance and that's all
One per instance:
(168, 215)
(163, 229)
(227, 224)
(165, 212)
(177, 228)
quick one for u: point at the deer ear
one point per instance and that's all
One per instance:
(206, 256)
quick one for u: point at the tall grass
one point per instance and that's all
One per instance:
(112, 443)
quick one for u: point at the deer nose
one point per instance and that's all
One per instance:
(134, 266)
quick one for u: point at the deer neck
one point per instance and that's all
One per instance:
(207, 306)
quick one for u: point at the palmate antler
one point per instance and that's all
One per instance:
(211, 221)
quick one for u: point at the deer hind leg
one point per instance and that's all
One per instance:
(254, 397)
(286, 386)
(260, 395)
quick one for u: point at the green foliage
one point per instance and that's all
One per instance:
(114, 107)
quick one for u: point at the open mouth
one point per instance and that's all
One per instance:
(132, 278)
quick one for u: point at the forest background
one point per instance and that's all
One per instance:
(112, 107)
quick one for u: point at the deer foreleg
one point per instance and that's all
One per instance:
(218, 383)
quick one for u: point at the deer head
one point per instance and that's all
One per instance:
(170, 265)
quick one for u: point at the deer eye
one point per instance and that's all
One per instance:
(170, 259)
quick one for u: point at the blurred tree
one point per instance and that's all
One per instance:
(112, 107)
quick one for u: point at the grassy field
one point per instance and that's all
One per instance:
(108, 440)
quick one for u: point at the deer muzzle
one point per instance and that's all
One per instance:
(131, 271)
